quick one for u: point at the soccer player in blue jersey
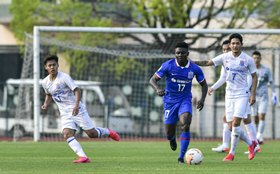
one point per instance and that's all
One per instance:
(177, 96)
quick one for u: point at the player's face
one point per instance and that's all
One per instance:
(52, 67)
(235, 45)
(182, 56)
(257, 59)
(226, 48)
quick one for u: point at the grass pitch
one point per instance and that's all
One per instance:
(131, 157)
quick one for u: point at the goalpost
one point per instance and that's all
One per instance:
(146, 31)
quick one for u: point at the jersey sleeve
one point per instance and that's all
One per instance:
(162, 71)
(221, 80)
(218, 60)
(252, 66)
(270, 77)
(69, 82)
(249, 80)
(44, 86)
(199, 75)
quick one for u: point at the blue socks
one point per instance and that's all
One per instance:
(185, 141)
(169, 139)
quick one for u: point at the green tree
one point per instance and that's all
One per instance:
(144, 13)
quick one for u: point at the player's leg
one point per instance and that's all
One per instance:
(170, 130)
(75, 145)
(226, 137)
(170, 120)
(237, 107)
(84, 121)
(185, 118)
(185, 122)
(261, 128)
(255, 114)
(262, 111)
(251, 131)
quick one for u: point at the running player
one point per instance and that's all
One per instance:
(177, 96)
(236, 65)
(260, 107)
(251, 130)
(61, 88)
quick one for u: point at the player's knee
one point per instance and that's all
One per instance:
(66, 136)
(185, 127)
(92, 133)
(235, 132)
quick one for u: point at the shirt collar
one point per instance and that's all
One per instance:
(177, 64)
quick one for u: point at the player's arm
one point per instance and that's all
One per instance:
(219, 83)
(274, 99)
(48, 100)
(200, 103)
(203, 62)
(77, 92)
(153, 83)
(253, 89)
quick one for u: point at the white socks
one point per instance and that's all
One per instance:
(260, 129)
(226, 135)
(102, 131)
(237, 133)
(75, 145)
(251, 131)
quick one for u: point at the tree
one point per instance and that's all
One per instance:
(144, 13)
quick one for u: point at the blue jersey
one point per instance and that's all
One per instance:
(179, 80)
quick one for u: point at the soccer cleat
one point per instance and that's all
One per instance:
(181, 161)
(252, 150)
(260, 142)
(173, 144)
(220, 149)
(82, 160)
(113, 135)
(257, 150)
(229, 157)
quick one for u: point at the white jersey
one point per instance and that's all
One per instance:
(62, 93)
(236, 71)
(264, 76)
(222, 80)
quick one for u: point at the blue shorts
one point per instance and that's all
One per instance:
(172, 111)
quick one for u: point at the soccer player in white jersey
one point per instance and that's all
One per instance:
(236, 65)
(260, 107)
(61, 88)
(251, 130)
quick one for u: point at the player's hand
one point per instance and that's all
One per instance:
(75, 110)
(200, 105)
(160, 92)
(44, 107)
(210, 90)
(274, 98)
(252, 100)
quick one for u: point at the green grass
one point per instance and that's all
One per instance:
(131, 157)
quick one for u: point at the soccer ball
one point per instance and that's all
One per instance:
(194, 156)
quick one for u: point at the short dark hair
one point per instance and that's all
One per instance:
(257, 53)
(225, 42)
(182, 44)
(236, 35)
(50, 57)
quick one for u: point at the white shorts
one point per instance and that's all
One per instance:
(260, 107)
(82, 120)
(237, 107)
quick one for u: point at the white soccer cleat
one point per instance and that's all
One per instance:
(220, 149)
